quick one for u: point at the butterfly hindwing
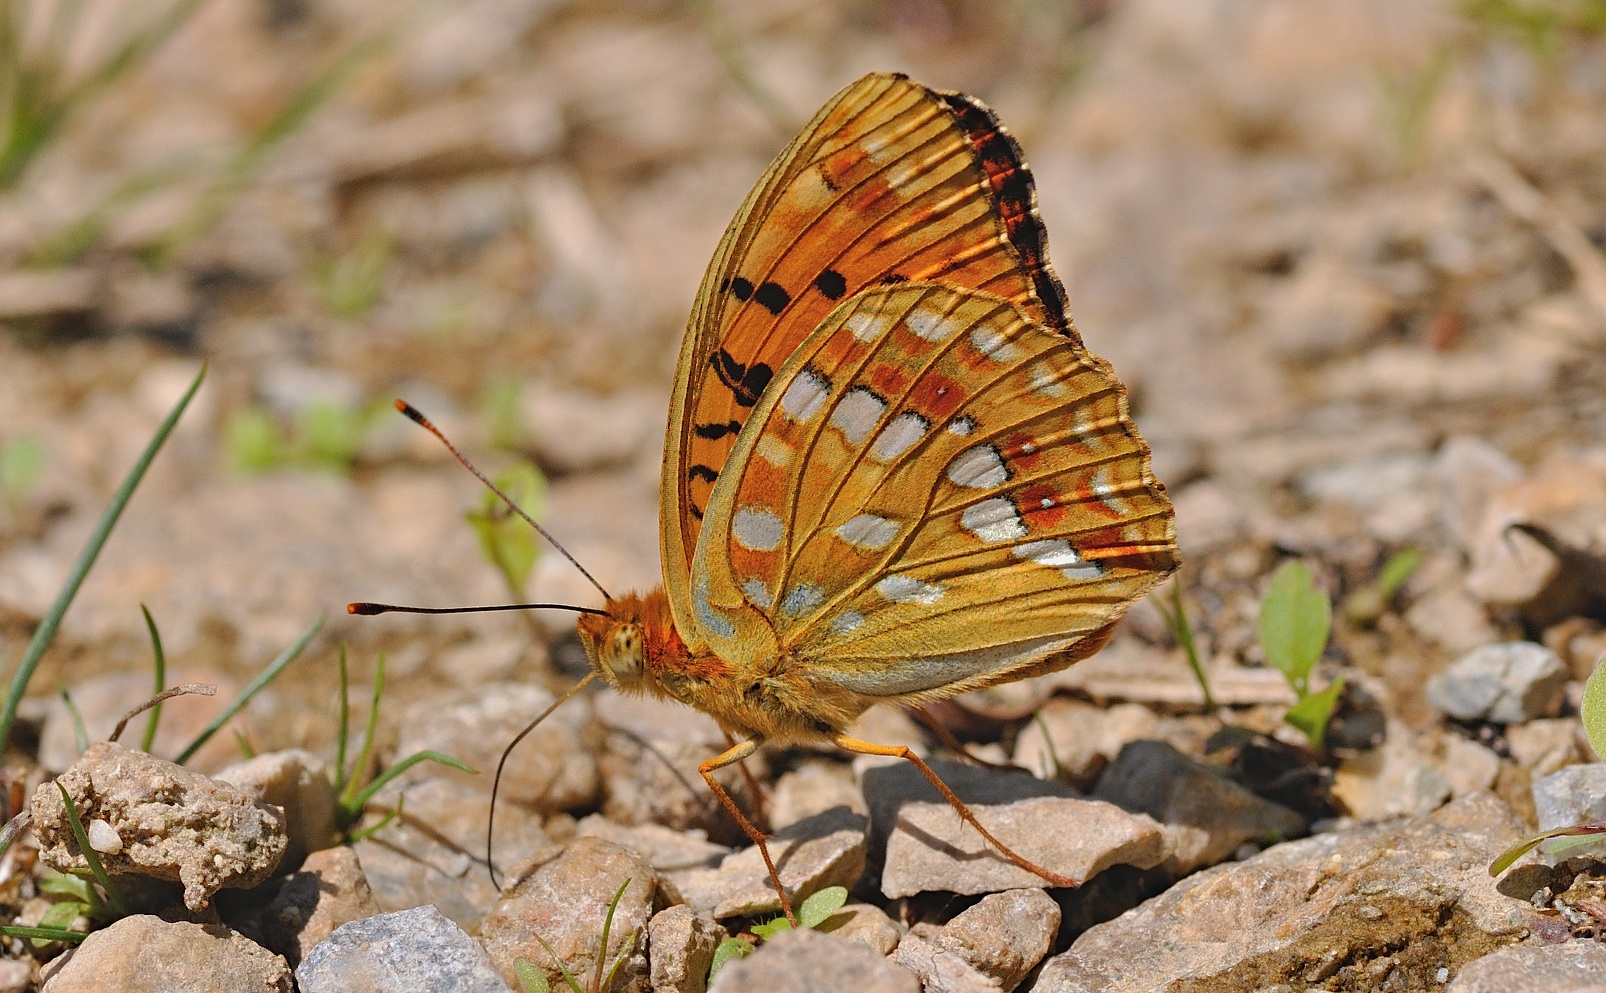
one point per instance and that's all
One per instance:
(937, 490)
(891, 182)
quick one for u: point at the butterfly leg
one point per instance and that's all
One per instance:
(754, 790)
(733, 754)
(902, 751)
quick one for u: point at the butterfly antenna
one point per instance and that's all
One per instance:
(424, 422)
(496, 782)
(369, 609)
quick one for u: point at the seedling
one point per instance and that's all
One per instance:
(1295, 620)
(352, 792)
(22, 462)
(326, 436)
(1367, 604)
(504, 539)
(350, 284)
(533, 980)
(1558, 841)
(811, 913)
(1176, 619)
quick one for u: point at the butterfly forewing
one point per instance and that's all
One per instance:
(892, 182)
(937, 490)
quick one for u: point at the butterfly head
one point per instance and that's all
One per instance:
(625, 645)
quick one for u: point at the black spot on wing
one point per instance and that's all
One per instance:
(892, 278)
(702, 472)
(831, 284)
(772, 297)
(745, 382)
(736, 286)
(712, 431)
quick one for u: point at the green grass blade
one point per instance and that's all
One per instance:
(114, 896)
(46, 632)
(342, 725)
(154, 717)
(350, 810)
(568, 977)
(348, 797)
(607, 931)
(80, 734)
(41, 933)
(1176, 619)
(268, 675)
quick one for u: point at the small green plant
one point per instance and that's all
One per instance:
(505, 540)
(325, 436)
(352, 790)
(1408, 98)
(352, 283)
(1295, 619)
(816, 910)
(1367, 604)
(500, 408)
(533, 980)
(1541, 25)
(22, 463)
(1558, 841)
(1176, 620)
(99, 902)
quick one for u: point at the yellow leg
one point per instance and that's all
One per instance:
(903, 752)
(736, 753)
(760, 813)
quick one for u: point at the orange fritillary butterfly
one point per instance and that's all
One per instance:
(893, 471)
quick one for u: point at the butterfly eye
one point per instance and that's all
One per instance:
(624, 653)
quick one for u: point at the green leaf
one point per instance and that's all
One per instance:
(1397, 570)
(1522, 847)
(531, 978)
(159, 664)
(725, 951)
(770, 929)
(1295, 619)
(510, 544)
(59, 915)
(22, 462)
(1312, 712)
(66, 884)
(329, 436)
(819, 907)
(253, 441)
(1593, 709)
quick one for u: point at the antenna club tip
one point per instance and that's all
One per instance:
(411, 411)
(363, 608)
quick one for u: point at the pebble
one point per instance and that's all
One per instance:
(1355, 905)
(1206, 814)
(867, 923)
(417, 950)
(1073, 741)
(812, 787)
(922, 845)
(1504, 683)
(1574, 967)
(175, 824)
(989, 946)
(665, 849)
(564, 902)
(1547, 744)
(1571, 796)
(327, 891)
(681, 947)
(827, 849)
(298, 781)
(145, 954)
(808, 961)
(1391, 780)
(551, 770)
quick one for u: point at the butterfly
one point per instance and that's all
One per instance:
(893, 472)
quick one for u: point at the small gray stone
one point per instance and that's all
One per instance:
(1505, 683)
(665, 849)
(1574, 967)
(1572, 796)
(1207, 814)
(681, 947)
(808, 961)
(416, 950)
(563, 903)
(1548, 744)
(145, 954)
(990, 946)
(827, 849)
(173, 823)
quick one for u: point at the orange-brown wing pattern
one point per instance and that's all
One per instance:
(891, 182)
(937, 492)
